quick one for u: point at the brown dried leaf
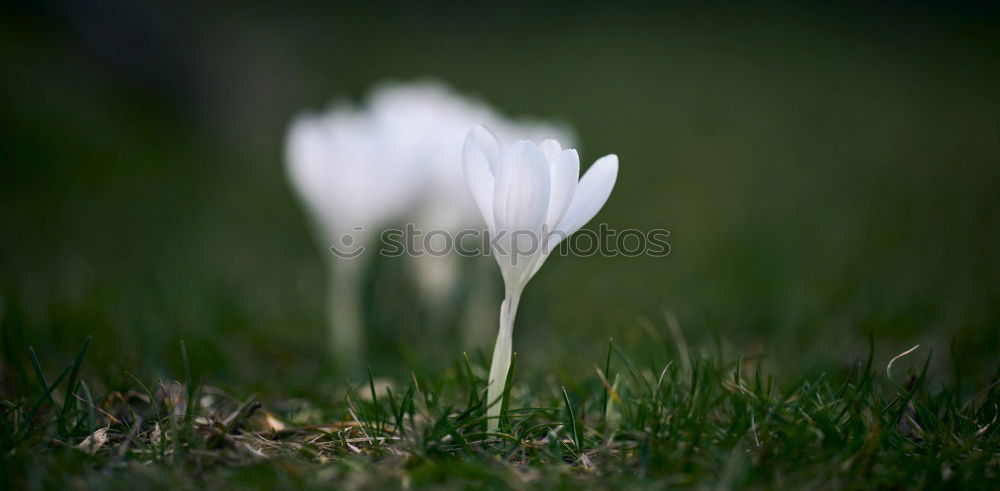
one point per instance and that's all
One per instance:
(95, 441)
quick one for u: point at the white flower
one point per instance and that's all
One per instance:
(333, 162)
(395, 159)
(336, 161)
(424, 125)
(531, 198)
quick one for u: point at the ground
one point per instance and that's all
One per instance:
(702, 422)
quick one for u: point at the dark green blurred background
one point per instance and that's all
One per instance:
(826, 174)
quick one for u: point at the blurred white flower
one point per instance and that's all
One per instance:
(428, 124)
(531, 198)
(396, 160)
(337, 162)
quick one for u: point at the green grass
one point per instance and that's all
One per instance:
(702, 421)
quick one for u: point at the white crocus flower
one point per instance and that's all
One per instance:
(335, 163)
(531, 198)
(395, 159)
(424, 125)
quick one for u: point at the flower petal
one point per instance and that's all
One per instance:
(550, 149)
(478, 171)
(489, 144)
(565, 169)
(521, 192)
(311, 170)
(591, 194)
(520, 205)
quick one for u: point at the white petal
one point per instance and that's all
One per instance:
(489, 145)
(565, 171)
(591, 194)
(308, 165)
(478, 174)
(520, 204)
(521, 191)
(550, 149)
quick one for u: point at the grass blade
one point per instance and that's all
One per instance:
(70, 402)
(504, 420)
(377, 408)
(572, 422)
(40, 375)
(188, 384)
(607, 373)
(91, 417)
(46, 395)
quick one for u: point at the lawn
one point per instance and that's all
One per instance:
(695, 421)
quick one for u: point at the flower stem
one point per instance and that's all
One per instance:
(346, 342)
(501, 359)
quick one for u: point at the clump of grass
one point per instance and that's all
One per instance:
(718, 422)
